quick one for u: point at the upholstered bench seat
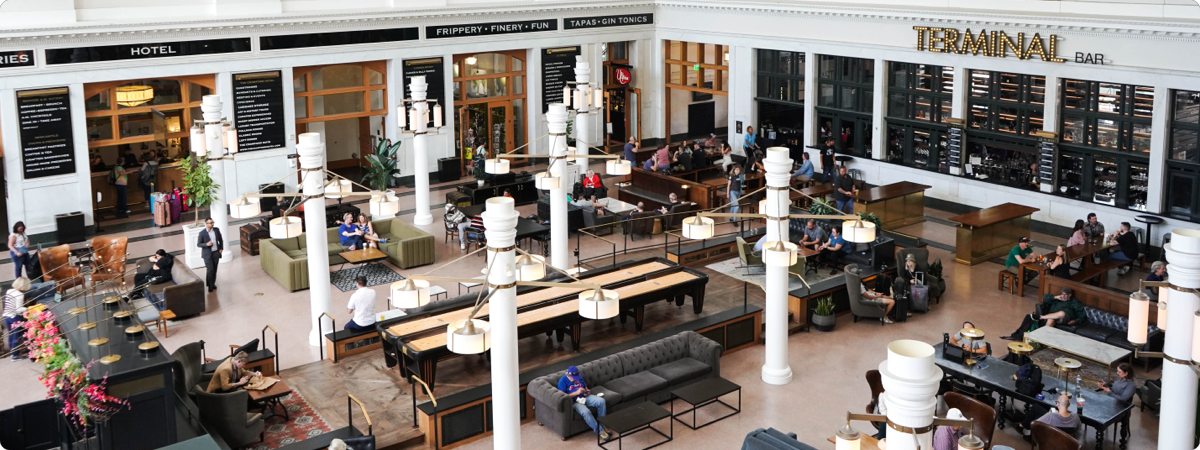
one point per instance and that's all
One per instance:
(680, 371)
(637, 385)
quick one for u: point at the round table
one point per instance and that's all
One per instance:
(843, 159)
(1150, 222)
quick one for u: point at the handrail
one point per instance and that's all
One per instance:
(332, 329)
(433, 399)
(264, 341)
(350, 410)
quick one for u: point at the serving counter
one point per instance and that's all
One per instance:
(990, 232)
(896, 204)
(169, 178)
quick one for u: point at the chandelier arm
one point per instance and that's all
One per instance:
(526, 144)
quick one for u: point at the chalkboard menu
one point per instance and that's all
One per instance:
(558, 68)
(47, 148)
(435, 77)
(1046, 159)
(258, 111)
(956, 146)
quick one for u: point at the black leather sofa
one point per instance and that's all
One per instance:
(875, 254)
(1112, 329)
(772, 439)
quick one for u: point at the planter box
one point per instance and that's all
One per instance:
(191, 253)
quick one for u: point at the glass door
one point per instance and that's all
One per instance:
(500, 122)
(473, 134)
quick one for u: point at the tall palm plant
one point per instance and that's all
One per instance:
(382, 168)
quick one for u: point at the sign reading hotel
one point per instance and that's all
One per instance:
(146, 50)
(489, 29)
(258, 111)
(47, 146)
(576, 23)
(996, 44)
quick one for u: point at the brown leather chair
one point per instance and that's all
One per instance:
(677, 213)
(984, 415)
(875, 381)
(640, 223)
(55, 267)
(108, 262)
(1046, 437)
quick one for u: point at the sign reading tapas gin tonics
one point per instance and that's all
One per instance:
(575, 23)
(996, 44)
(487, 29)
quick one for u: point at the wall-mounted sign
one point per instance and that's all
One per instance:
(996, 44)
(488, 29)
(575, 23)
(558, 68)
(146, 50)
(622, 75)
(47, 147)
(338, 38)
(258, 111)
(18, 58)
(435, 76)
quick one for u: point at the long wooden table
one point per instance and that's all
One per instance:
(990, 232)
(896, 205)
(1081, 251)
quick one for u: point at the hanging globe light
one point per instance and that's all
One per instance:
(410, 293)
(469, 336)
(697, 227)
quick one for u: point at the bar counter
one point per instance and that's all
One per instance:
(169, 177)
(990, 232)
(896, 205)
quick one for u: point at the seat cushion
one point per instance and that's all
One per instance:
(682, 370)
(1067, 328)
(146, 312)
(636, 385)
(1118, 340)
(610, 398)
(296, 254)
(1096, 332)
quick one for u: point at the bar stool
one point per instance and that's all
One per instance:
(1013, 281)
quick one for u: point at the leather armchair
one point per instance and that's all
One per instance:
(1046, 437)
(190, 368)
(859, 308)
(641, 223)
(592, 219)
(936, 285)
(56, 268)
(747, 256)
(227, 414)
(109, 260)
(675, 219)
(984, 415)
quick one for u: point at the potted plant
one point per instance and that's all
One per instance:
(480, 173)
(823, 318)
(821, 207)
(381, 171)
(871, 217)
(201, 191)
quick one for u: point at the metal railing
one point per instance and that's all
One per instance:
(350, 401)
(332, 329)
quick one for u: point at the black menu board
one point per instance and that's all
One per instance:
(1046, 158)
(558, 68)
(956, 146)
(47, 147)
(258, 111)
(435, 77)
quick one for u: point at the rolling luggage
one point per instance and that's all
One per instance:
(176, 208)
(162, 211)
(920, 298)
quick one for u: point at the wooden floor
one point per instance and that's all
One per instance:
(387, 396)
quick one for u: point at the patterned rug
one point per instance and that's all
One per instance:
(376, 273)
(1091, 372)
(305, 423)
(757, 276)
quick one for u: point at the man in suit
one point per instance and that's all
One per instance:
(231, 375)
(211, 245)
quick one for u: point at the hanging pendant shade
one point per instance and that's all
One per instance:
(599, 304)
(410, 293)
(199, 147)
(338, 188)
(469, 336)
(495, 166)
(780, 254)
(286, 227)
(401, 116)
(1196, 337)
(531, 268)
(1139, 318)
(859, 231)
(847, 439)
(1162, 309)
(245, 208)
(437, 116)
(618, 167)
(386, 205)
(546, 181)
(697, 227)
(131, 96)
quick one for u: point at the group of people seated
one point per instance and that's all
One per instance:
(457, 220)
(685, 158)
(358, 233)
(1122, 246)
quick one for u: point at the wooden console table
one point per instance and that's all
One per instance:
(990, 232)
(896, 204)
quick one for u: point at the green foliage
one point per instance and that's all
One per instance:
(824, 306)
(382, 166)
(480, 172)
(198, 183)
(821, 207)
(871, 217)
(935, 269)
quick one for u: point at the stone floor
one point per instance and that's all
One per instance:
(828, 367)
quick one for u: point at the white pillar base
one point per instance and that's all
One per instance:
(427, 219)
(778, 377)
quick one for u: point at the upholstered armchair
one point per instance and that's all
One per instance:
(191, 367)
(983, 414)
(747, 256)
(108, 262)
(860, 308)
(227, 413)
(640, 223)
(936, 285)
(56, 267)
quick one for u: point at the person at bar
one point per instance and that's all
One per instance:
(1020, 254)
(1093, 230)
(1126, 243)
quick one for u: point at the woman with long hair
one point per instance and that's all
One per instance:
(1123, 387)
(1059, 266)
(1077, 236)
(18, 248)
(370, 237)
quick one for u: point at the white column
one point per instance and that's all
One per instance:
(420, 151)
(1050, 117)
(910, 382)
(879, 111)
(811, 60)
(215, 143)
(1159, 150)
(312, 165)
(1177, 421)
(500, 220)
(776, 370)
(583, 76)
(556, 119)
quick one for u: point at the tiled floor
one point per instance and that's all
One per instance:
(828, 367)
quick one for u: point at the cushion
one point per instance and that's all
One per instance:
(286, 244)
(296, 254)
(1066, 327)
(637, 385)
(601, 371)
(145, 311)
(610, 398)
(681, 370)
(1096, 332)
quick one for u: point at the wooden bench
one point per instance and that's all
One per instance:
(344, 343)
(696, 175)
(696, 253)
(1098, 270)
(653, 187)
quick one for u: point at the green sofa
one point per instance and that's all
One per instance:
(286, 260)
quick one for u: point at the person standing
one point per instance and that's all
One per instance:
(631, 149)
(211, 246)
(843, 187)
(120, 177)
(18, 248)
(734, 187)
(827, 161)
(664, 157)
(361, 306)
(573, 385)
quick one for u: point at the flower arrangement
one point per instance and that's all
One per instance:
(65, 377)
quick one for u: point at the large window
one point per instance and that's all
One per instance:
(780, 96)
(1007, 102)
(845, 89)
(489, 104)
(919, 102)
(145, 117)
(1105, 142)
(1183, 163)
(346, 103)
(697, 82)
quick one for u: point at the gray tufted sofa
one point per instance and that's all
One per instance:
(648, 372)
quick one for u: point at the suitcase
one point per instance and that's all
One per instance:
(162, 212)
(176, 208)
(900, 311)
(458, 199)
(920, 298)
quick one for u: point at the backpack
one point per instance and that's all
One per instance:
(1029, 379)
(112, 175)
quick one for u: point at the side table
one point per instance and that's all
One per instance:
(1150, 222)
(702, 394)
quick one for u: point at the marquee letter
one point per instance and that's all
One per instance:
(976, 45)
(920, 37)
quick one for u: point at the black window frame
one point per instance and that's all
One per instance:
(991, 99)
(940, 93)
(1126, 117)
(1083, 162)
(1183, 157)
(843, 74)
(771, 78)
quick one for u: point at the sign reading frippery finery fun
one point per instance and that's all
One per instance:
(996, 44)
(487, 29)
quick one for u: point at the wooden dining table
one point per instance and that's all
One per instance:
(1081, 251)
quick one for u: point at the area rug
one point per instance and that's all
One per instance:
(756, 275)
(1091, 372)
(305, 423)
(376, 274)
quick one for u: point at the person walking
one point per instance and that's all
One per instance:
(211, 246)
(18, 248)
(827, 161)
(843, 190)
(734, 187)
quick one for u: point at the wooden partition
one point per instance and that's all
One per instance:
(653, 189)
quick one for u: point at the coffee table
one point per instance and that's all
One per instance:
(616, 206)
(634, 419)
(271, 399)
(1083, 347)
(363, 257)
(702, 394)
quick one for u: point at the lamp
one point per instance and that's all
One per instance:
(599, 304)
(598, 98)
(198, 141)
(546, 181)
(567, 95)
(336, 187)
(285, 227)
(859, 231)
(618, 167)
(469, 336)
(697, 227)
(410, 293)
(1139, 318)
(1162, 309)
(530, 268)
(495, 166)
(230, 134)
(847, 438)
(138, 95)
(401, 115)
(471, 60)
(1196, 337)
(780, 254)
(385, 205)
(437, 116)
(970, 442)
(245, 207)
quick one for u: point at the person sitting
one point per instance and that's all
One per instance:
(674, 199)
(1123, 387)
(352, 236)
(458, 220)
(805, 173)
(908, 277)
(1077, 237)
(97, 163)
(1063, 307)
(651, 163)
(1126, 243)
(1061, 418)
(833, 250)
(370, 237)
(591, 205)
(699, 157)
(871, 296)
(1059, 266)
(232, 369)
(592, 184)
(683, 158)
(641, 207)
(946, 437)
(1093, 230)
(813, 235)
(160, 270)
(14, 317)
(977, 346)
(572, 383)
(361, 306)
(1158, 272)
(1019, 255)
(507, 194)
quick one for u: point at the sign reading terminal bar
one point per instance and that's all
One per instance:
(488, 29)
(996, 44)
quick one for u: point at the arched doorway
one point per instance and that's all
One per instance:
(489, 95)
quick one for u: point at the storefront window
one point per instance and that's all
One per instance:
(489, 96)
(1006, 102)
(1183, 163)
(123, 115)
(844, 106)
(345, 102)
(919, 100)
(1106, 136)
(780, 97)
